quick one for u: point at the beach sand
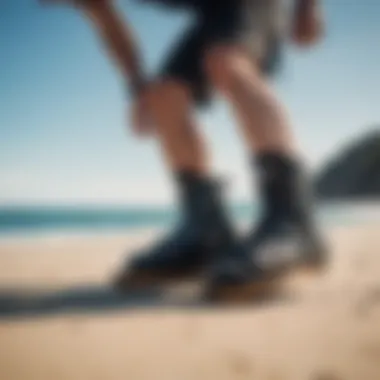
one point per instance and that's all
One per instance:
(70, 325)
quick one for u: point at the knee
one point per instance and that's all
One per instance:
(225, 66)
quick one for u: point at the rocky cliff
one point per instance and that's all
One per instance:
(354, 173)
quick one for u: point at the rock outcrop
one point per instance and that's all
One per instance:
(354, 173)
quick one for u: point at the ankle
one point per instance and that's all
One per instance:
(285, 190)
(201, 197)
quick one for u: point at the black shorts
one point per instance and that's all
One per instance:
(257, 25)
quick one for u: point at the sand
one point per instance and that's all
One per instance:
(72, 326)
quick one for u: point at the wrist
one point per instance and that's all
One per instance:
(136, 86)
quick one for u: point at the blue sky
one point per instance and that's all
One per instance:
(63, 114)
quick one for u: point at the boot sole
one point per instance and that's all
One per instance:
(264, 288)
(148, 279)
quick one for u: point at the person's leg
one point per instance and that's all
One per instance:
(285, 237)
(243, 35)
(204, 230)
(262, 118)
(171, 108)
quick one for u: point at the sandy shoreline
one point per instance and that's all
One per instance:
(329, 330)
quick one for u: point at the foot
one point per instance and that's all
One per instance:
(204, 232)
(276, 250)
(183, 255)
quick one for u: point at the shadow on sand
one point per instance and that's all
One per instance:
(88, 299)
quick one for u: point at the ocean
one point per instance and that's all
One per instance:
(45, 220)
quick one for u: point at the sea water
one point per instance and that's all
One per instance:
(43, 220)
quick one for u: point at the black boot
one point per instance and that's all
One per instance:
(285, 240)
(203, 233)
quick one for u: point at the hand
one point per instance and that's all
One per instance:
(140, 118)
(308, 25)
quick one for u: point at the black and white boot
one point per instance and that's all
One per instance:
(204, 232)
(285, 241)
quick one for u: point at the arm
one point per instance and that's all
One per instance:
(116, 36)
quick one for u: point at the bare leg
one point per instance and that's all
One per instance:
(284, 240)
(170, 105)
(204, 230)
(263, 120)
